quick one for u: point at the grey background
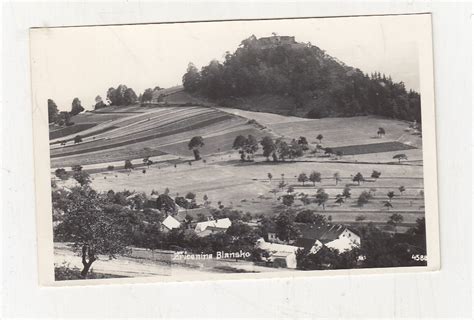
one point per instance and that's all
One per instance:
(446, 293)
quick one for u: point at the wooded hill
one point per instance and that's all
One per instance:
(299, 79)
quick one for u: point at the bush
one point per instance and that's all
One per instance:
(110, 168)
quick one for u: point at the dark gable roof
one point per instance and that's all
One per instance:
(305, 243)
(180, 216)
(325, 233)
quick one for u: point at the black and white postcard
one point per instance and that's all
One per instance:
(235, 149)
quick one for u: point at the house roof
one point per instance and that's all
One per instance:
(276, 248)
(305, 243)
(171, 223)
(343, 244)
(181, 215)
(324, 233)
(220, 223)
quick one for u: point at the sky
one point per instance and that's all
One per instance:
(84, 62)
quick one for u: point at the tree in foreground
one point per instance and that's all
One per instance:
(194, 144)
(94, 226)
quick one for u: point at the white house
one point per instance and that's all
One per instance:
(333, 236)
(171, 223)
(281, 255)
(222, 224)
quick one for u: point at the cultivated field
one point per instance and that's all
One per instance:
(164, 132)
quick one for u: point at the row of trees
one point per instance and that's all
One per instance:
(319, 85)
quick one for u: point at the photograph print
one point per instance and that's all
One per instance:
(235, 149)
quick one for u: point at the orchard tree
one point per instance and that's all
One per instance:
(364, 198)
(346, 192)
(339, 199)
(128, 165)
(321, 198)
(358, 178)
(390, 195)
(401, 189)
(375, 174)
(388, 205)
(400, 156)
(194, 144)
(270, 176)
(315, 177)
(337, 177)
(302, 178)
(77, 139)
(381, 132)
(320, 137)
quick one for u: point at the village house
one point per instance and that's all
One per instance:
(334, 236)
(279, 255)
(205, 228)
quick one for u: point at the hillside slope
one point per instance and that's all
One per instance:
(291, 78)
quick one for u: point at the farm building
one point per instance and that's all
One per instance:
(219, 225)
(280, 255)
(171, 223)
(333, 236)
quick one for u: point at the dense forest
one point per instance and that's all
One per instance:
(317, 84)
